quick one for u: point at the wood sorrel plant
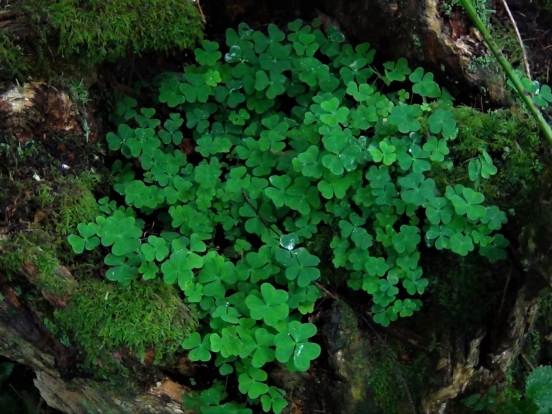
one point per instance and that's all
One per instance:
(295, 134)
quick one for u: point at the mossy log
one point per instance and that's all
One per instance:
(24, 338)
(35, 111)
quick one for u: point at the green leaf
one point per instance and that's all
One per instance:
(308, 162)
(300, 266)
(277, 193)
(274, 399)
(442, 121)
(396, 71)
(179, 267)
(169, 93)
(337, 115)
(494, 218)
(209, 55)
(437, 149)
(424, 84)
(416, 189)
(405, 117)
(271, 307)
(539, 388)
(199, 350)
(461, 244)
(156, 249)
(407, 239)
(385, 153)
(120, 232)
(292, 344)
(439, 210)
(251, 382)
(228, 344)
(123, 274)
(116, 141)
(88, 240)
(468, 203)
(360, 93)
(414, 283)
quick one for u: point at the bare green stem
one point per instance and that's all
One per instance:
(525, 96)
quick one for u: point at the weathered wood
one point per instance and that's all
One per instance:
(25, 339)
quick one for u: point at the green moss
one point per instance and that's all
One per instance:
(105, 317)
(51, 211)
(107, 30)
(512, 140)
(12, 62)
(75, 202)
(385, 381)
(34, 249)
(71, 36)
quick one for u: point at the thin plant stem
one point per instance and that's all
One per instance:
(525, 61)
(525, 96)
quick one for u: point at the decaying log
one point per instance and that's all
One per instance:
(81, 396)
(25, 339)
(34, 109)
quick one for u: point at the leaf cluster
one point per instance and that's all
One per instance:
(341, 155)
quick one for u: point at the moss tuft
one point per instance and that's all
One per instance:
(512, 140)
(109, 29)
(105, 317)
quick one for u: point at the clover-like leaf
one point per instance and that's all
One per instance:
(337, 115)
(361, 93)
(415, 283)
(442, 121)
(252, 382)
(396, 71)
(156, 248)
(123, 274)
(538, 388)
(439, 210)
(88, 240)
(276, 193)
(228, 343)
(344, 149)
(169, 93)
(406, 307)
(199, 349)
(300, 265)
(437, 149)
(494, 218)
(120, 232)
(179, 267)
(424, 85)
(293, 344)
(405, 117)
(124, 133)
(209, 55)
(271, 307)
(416, 189)
(274, 85)
(308, 162)
(355, 231)
(385, 153)
(461, 244)
(469, 203)
(275, 400)
(407, 239)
